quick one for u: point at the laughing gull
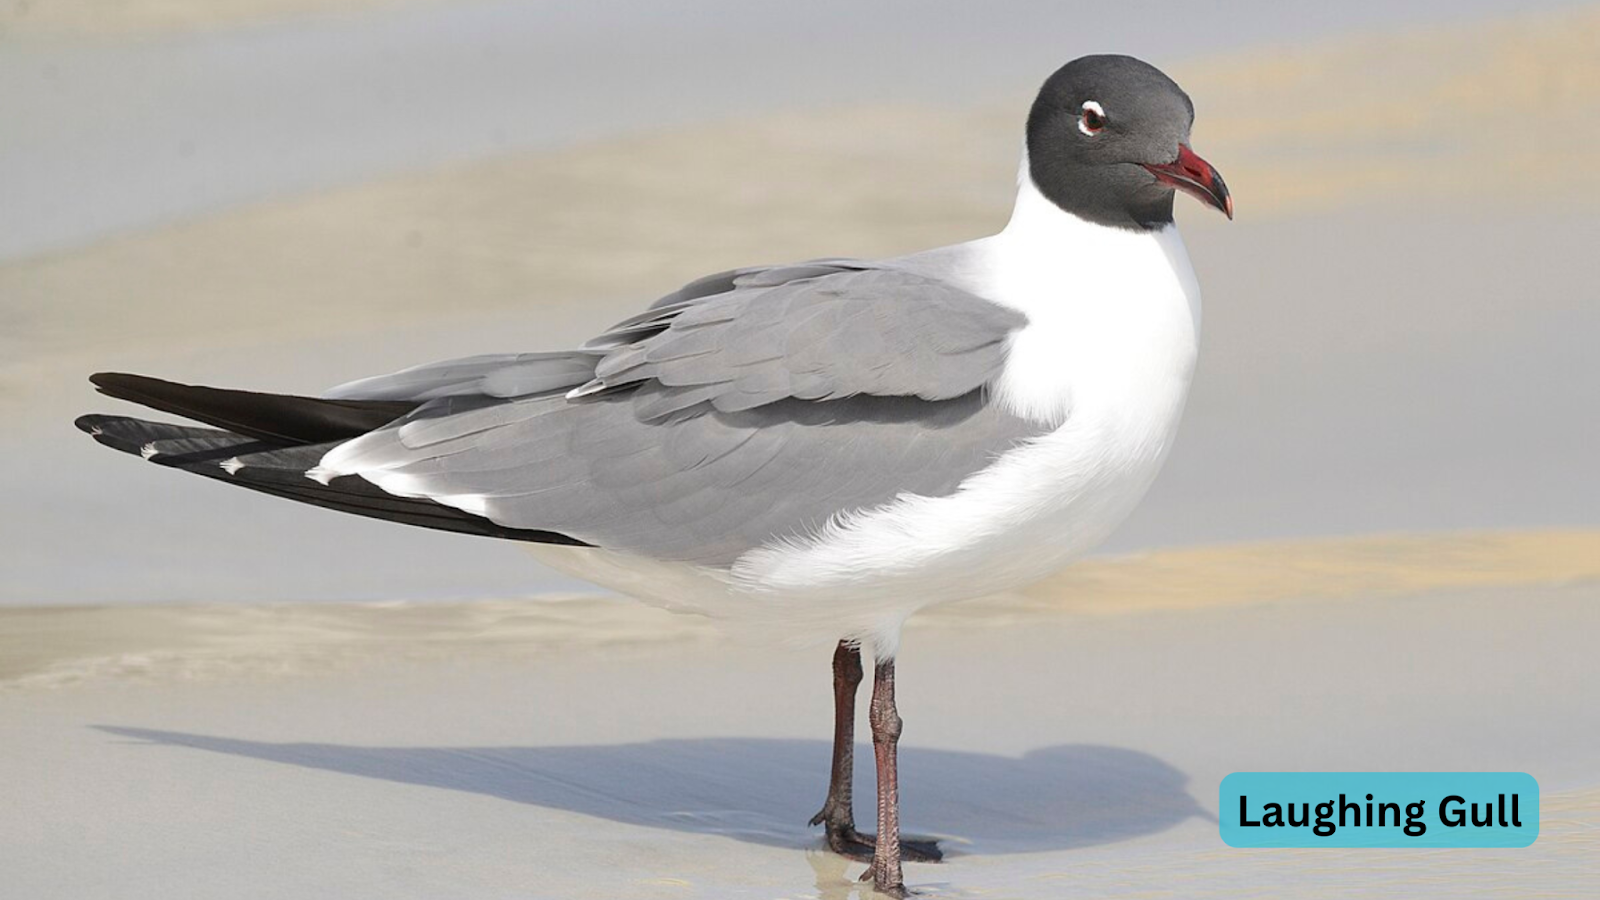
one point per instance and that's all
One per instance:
(823, 448)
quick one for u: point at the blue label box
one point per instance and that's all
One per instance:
(1379, 809)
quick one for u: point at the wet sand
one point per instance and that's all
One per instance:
(597, 748)
(43, 647)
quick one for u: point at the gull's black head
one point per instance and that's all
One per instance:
(1108, 141)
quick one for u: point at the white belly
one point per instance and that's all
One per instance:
(1039, 508)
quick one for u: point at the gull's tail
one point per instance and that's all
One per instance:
(270, 443)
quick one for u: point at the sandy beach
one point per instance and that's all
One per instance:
(592, 747)
(1375, 546)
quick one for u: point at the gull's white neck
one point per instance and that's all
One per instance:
(1041, 233)
(1034, 215)
(1109, 309)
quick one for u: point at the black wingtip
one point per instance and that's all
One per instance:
(110, 431)
(127, 386)
(110, 380)
(282, 418)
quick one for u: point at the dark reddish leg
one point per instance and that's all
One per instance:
(884, 871)
(838, 814)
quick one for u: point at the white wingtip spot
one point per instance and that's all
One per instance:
(584, 390)
(477, 504)
(148, 451)
(321, 475)
(231, 465)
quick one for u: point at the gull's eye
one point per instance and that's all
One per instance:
(1093, 119)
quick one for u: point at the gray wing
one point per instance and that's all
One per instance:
(756, 277)
(491, 375)
(523, 374)
(881, 332)
(717, 422)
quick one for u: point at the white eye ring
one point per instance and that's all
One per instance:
(1092, 120)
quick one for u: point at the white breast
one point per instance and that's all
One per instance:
(1106, 360)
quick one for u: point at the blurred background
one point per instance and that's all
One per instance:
(287, 194)
(1375, 546)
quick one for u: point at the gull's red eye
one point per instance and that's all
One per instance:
(1093, 119)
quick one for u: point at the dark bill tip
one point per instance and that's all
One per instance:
(1195, 177)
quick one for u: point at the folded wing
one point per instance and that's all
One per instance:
(748, 407)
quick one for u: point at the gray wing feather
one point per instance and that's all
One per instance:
(756, 276)
(492, 375)
(698, 429)
(525, 374)
(865, 331)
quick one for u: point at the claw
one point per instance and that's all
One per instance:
(897, 891)
(852, 844)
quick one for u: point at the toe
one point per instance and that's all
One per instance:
(850, 845)
(921, 851)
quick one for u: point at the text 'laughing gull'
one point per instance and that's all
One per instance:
(822, 448)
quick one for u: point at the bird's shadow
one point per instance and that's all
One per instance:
(762, 790)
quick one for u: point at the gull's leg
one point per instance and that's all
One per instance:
(885, 868)
(838, 812)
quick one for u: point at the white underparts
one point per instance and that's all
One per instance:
(1105, 362)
